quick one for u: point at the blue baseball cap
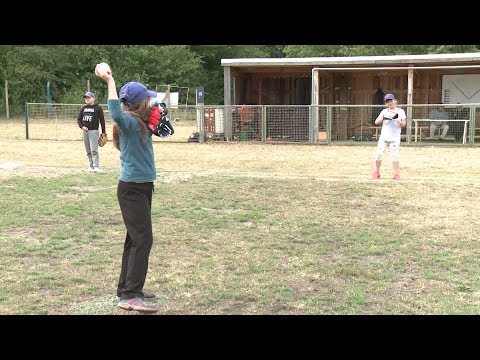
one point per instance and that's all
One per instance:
(389, 97)
(134, 92)
(89, 94)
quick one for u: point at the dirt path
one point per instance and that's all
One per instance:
(430, 163)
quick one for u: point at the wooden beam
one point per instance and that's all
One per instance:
(409, 102)
(227, 101)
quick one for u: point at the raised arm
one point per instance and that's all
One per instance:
(104, 72)
(379, 118)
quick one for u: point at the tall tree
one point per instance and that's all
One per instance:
(212, 55)
(371, 50)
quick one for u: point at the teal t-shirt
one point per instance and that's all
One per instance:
(137, 162)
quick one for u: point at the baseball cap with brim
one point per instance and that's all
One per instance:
(134, 92)
(89, 94)
(389, 97)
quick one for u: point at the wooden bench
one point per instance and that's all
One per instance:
(378, 130)
(438, 132)
(423, 127)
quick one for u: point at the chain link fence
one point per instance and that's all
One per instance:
(265, 123)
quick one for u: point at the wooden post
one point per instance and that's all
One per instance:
(227, 101)
(167, 95)
(263, 120)
(313, 128)
(342, 117)
(6, 99)
(427, 81)
(259, 91)
(26, 121)
(329, 124)
(409, 103)
(471, 125)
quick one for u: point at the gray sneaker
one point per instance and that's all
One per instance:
(139, 305)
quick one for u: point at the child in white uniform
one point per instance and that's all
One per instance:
(393, 119)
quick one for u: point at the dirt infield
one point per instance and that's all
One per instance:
(328, 162)
(67, 129)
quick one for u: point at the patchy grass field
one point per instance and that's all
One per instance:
(244, 228)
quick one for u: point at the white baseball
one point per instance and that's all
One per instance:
(102, 68)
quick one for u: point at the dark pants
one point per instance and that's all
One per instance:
(135, 200)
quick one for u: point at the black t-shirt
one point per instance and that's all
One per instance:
(91, 116)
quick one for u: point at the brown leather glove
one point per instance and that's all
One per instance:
(102, 139)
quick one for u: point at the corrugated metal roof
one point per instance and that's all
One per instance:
(355, 60)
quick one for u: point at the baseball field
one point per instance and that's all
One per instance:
(245, 228)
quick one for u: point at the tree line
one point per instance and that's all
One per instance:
(69, 68)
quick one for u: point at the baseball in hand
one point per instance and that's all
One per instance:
(102, 68)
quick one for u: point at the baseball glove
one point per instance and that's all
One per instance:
(158, 122)
(102, 140)
(391, 118)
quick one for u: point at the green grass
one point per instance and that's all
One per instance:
(235, 244)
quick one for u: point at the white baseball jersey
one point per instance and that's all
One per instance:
(390, 129)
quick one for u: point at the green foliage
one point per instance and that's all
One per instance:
(154, 65)
(69, 68)
(366, 50)
(212, 55)
(439, 49)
